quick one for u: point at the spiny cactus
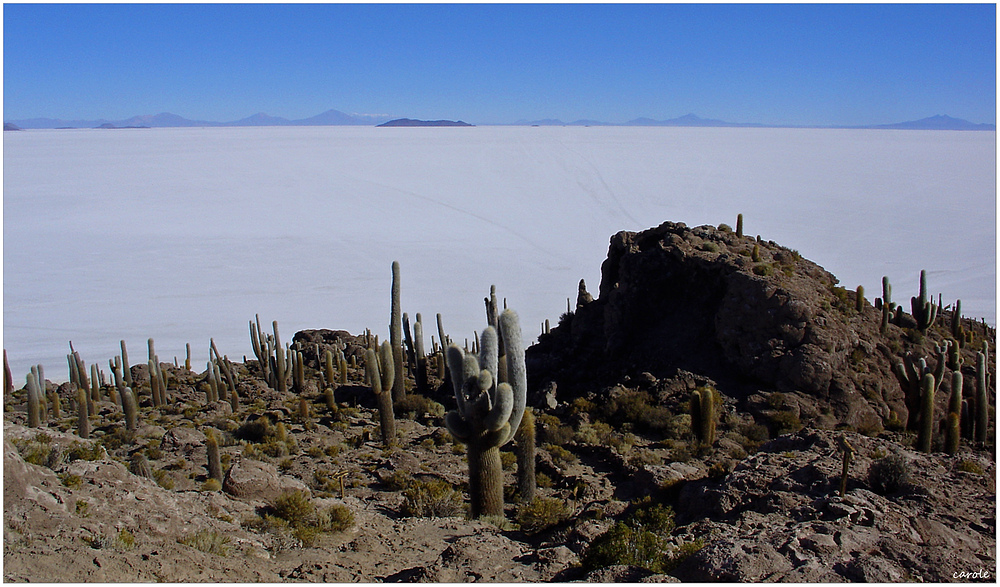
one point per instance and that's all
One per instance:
(953, 424)
(34, 402)
(214, 461)
(922, 307)
(396, 336)
(525, 452)
(378, 376)
(703, 420)
(130, 407)
(925, 434)
(956, 323)
(859, 299)
(489, 410)
(739, 225)
(83, 414)
(982, 420)
(909, 373)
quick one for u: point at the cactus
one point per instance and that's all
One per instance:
(954, 351)
(8, 379)
(846, 467)
(982, 419)
(739, 225)
(703, 421)
(953, 424)
(376, 378)
(126, 369)
(396, 336)
(923, 309)
(909, 373)
(95, 388)
(489, 411)
(34, 402)
(420, 358)
(925, 434)
(83, 413)
(234, 401)
(214, 461)
(187, 356)
(525, 452)
(130, 407)
(56, 405)
(957, 332)
(859, 299)
(755, 253)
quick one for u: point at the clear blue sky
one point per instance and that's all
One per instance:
(773, 64)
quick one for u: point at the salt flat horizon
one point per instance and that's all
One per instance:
(183, 234)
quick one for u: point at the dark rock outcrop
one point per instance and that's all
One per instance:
(748, 314)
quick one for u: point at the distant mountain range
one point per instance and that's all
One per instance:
(939, 122)
(166, 119)
(338, 118)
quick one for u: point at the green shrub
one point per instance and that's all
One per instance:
(560, 455)
(763, 269)
(640, 540)
(431, 499)
(294, 507)
(415, 405)
(71, 481)
(968, 466)
(336, 518)
(542, 513)
(639, 409)
(888, 474)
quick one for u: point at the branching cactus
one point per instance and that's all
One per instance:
(909, 373)
(380, 378)
(923, 308)
(489, 411)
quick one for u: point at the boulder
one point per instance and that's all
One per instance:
(255, 480)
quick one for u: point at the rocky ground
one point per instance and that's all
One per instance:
(311, 494)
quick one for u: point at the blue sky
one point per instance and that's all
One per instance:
(772, 64)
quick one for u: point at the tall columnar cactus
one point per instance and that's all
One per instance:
(922, 306)
(280, 370)
(525, 453)
(909, 373)
(420, 357)
(396, 336)
(8, 379)
(131, 409)
(214, 460)
(83, 414)
(489, 411)
(982, 420)
(925, 434)
(859, 299)
(739, 225)
(957, 332)
(34, 402)
(953, 432)
(187, 356)
(126, 369)
(703, 420)
(378, 376)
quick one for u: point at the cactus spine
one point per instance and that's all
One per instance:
(923, 309)
(396, 336)
(489, 411)
(525, 445)
(953, 432)
(925, 434)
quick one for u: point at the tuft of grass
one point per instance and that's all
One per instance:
(208, 541)
(211, 485)
(967, 466)
(434, 498)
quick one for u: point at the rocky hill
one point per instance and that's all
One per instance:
(721, 410)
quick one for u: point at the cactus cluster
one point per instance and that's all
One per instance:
(923, 308)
